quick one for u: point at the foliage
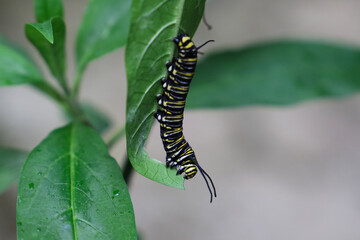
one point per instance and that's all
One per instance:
(278, 73)
(73, 197)
(70, 187)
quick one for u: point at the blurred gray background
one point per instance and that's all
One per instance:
(280, 172)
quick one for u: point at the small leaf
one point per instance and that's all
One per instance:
(277, 73)
(104, 28)
(46, 9)
(16, 67)
(71, 188)
(49, 39)
(98, 119)
(11, 161)
(153, 25)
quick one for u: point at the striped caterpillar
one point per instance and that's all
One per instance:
(170, 114)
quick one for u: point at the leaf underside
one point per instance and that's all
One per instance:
(153, 25)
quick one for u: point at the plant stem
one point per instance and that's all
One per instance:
(116, 137)
(63, 84)
(49, 90)
(127, 170)
(61, 79)
(77, 82)
(69, 104)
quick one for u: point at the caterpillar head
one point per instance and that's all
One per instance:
(184, 42)
(190, 171)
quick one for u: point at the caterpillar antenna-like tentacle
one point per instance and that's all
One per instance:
(204, 44)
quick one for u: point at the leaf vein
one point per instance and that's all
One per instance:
(72, 181)
(154, 9)
(52, 219)
(139, 126)
(45, 176)
(98, 180)
(85, 193)
(152, 41)
(146, 92)
(93, 227)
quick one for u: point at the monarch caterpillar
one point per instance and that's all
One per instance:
(170, 114)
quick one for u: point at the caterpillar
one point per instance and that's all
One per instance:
(170, 114)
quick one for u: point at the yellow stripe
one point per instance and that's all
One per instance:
(189, 59)
(180, 147)
(185, 89)
(168, 95)
(184, 39)
(188, 74)
(179, 65)
(176, 142)
(164, 126)
(179, 103)
(189, 45)
(172, 132)
(168, 112)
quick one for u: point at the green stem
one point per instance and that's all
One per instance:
(77, 82)
(69, 104)
(116, 137)
(59, 74)
(63, 84)
(76, 111)
(128, 170)
(49, 90)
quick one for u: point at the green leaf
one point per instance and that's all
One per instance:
(49, 39)
(153, 25)
(46, 9)
(71, 188)
(16, 67)
(278, 73)
(98, 119)
(104, 28)
(11, 161)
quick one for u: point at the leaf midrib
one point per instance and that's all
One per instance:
(72, 181)
(73, 158)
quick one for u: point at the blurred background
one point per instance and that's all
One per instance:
(280, 172)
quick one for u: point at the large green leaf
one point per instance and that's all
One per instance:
(71, 188)
(16, 67)
(153, 25)
(279, 73)
(49, 39)
(11, 161)
(104, 28)
(46, 9)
